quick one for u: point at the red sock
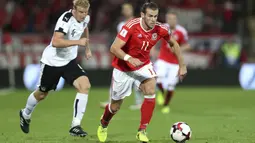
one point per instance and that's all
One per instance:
(160, 87)
(146, 112)
(108, 114)
(168, 97)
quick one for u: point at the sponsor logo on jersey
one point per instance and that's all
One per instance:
(140, 35)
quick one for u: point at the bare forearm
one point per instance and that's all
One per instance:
(119, 53)
(86, 35)
(185, 47)
(177, 51)
(63, 43)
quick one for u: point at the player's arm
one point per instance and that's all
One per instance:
(119, 53)
(58, 41)
(177, 50)
(85, 34)
(116, 49)
(185, 47)
(62, 28)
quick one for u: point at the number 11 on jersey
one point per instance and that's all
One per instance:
(145, 45)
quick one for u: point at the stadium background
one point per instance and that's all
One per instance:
(211, 90)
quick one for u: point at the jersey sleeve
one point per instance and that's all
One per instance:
(63, 23)
(125, 33)
(165, 32)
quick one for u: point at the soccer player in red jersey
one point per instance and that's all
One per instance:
(132, 66)
(167, 65)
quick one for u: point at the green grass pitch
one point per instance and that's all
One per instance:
(216, 115)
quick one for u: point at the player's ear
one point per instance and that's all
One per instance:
(142, 15)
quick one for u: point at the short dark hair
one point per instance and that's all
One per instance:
(150, 5)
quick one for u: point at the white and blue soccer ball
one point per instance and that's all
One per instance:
(180, 132)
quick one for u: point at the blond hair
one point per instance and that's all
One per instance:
(81, 3)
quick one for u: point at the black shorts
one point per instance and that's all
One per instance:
(50, 75)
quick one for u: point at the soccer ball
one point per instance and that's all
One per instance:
(180, 132)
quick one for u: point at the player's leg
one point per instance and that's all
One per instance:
(76, 76)
(138, 100)
(148, 89)
(146, 82)
(48, 80)
(110, 110)
(161, 71)
(171, 82)
(121, 87)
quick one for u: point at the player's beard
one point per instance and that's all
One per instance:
(146, 23)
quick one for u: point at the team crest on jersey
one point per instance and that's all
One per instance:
(154, 36)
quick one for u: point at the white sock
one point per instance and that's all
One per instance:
(30, 106)
(79, 108)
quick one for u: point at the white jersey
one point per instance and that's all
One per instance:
(120, 25)
(72, 30)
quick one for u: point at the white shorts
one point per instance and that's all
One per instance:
(167, 74)
(123, 82)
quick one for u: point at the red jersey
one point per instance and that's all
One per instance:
(139, 42)
(181, 36)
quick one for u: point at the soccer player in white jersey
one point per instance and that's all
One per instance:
(58, 60)
(128, 14)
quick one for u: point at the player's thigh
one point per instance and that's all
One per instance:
(161, 70)
(49, 78)
(121, 85)
(172, 78)
(75, 75)
(145, 79)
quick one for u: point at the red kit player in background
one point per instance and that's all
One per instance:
(167, 65)
(133, 68)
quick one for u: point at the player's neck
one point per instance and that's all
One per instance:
(75, 16)
(144, 26)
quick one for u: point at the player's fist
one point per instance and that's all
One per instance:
(182, 72)
(83, 41)
(88, 53)
(135, 62)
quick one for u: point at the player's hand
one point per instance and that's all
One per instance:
(83, 41)
(135, 62)
(182, 72)
(88, 53)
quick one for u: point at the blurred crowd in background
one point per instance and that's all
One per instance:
(39, 16)
(213, 26)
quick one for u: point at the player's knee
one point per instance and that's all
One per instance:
(115, 108)
(115, 105)
(84, 88)
(149, 90)
(40, 95)
(82, 85)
